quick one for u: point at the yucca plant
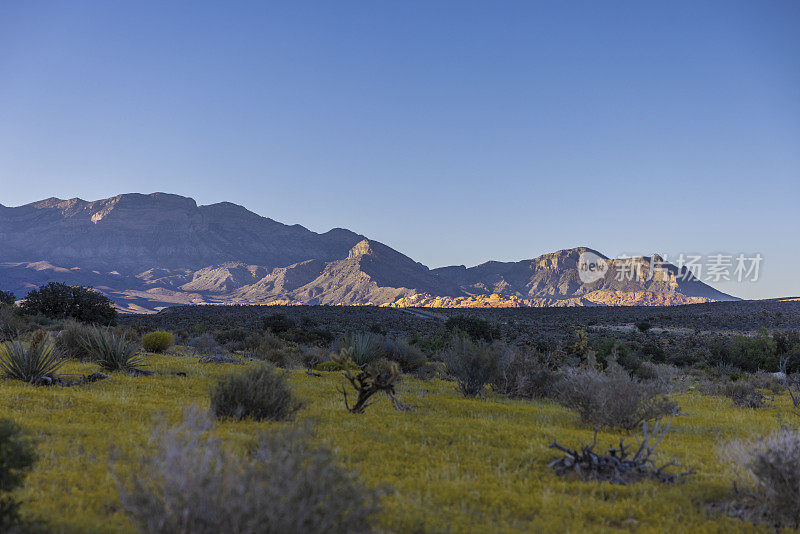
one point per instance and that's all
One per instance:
(112, 351)
(31, 362)
(361, 348)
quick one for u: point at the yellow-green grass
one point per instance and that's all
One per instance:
(452, 465)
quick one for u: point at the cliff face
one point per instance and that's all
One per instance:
(148, 251)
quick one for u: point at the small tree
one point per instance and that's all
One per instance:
(7, 297)
(476, 328)
(60, 301)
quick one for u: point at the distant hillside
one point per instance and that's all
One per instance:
(151, 251)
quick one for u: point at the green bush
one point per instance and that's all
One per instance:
(157, 341)
(34, 362)
(749, 354)
(259, 393)
(433, 344)
(329, 366)
(278, 323)
(17, 456)
(113, 351)
(475, 327)
(60, 301)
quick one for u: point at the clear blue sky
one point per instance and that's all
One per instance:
(455, 132)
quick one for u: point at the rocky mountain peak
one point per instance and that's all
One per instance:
(362, 248)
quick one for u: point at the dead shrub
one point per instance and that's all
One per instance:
(744, 394)
(618, 466)
(793, 386)
(379, 375)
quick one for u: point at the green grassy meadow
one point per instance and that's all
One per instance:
(453, 465)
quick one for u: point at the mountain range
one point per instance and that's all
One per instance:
(150, 251)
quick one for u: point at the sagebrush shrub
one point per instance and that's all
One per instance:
(205, 344)
(193, 483)
(745, 394)
(31, 361)
(259, 393)
(17, 456)
(274, 350)
(157, 341)
(473, 364)
(70, 340)
(613, 399)
(12, 322)
(113, 351)
(526, 375)
(407, 356)
(769, 470)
